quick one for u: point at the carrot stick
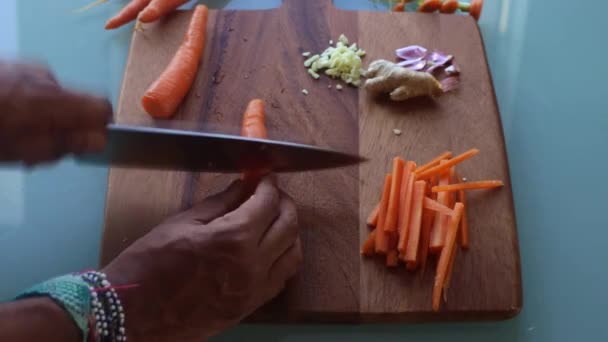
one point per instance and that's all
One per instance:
(368, 246)
(440, 225)
(127, 14)
(164, 96)
(429, 6)
(435, 170)
(434, 162)
(444, 258)
(410, 166)
(487, 184)
(392, 213)
(427, 224)
(158, 8)
(436, 206)
(464, 224)
(392, 258)
(452, 196)
(382, 236)
(403, 229)
(449, 6)
(254, 120)
(448, 276)
(413, 241)
(372, 218)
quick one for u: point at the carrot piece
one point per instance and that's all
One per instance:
(435, 170)
(254, 120)
(448, 276)
(369, 245)
(449, 6)
(487, 184)
(413, 241)
(434, 162)
(89, 6)
(429, 6)
(436, 206)
(475, 8)
(438, 230)
(127, 14)
(406, 209)
(452, 196)
(164, 96)
(381, 236)
(444, 258)
(392, 212)
(400, 7)
(410, 166)
(425, 237)
(392, 258)
(158, 8)
(464, 224)
(372, 218)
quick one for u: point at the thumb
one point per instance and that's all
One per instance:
(217, 205)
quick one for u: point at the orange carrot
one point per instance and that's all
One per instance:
(438, 230)
(475, 8)
(164, 96)
(448, 276)
(392, 258)
(425, 237)
(487, 184)
(435, 170)
(436, 206)
(392, 212)
(254, 120)
(444, 259)
(372, 218)
(413, 241)
(127, 14)
(410, 166)
(381, 236)
(429, 6)
(434, 162)
(449, 6)
(464, 224)
(403, 230)
(158, 8)
(369, 244)
(400, 7)
(453, 180)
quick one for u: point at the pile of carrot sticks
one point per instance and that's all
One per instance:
(422, 211)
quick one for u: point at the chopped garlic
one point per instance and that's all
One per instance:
(313, 74)
(304, 91)
(339, 87)
(331, 42)
(343, 39)
(339, 62)
(306, 54)
(311, 60)
(397, 131)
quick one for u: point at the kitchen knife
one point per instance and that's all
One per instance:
(171, 149)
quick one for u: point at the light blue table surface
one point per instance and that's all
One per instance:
(548, 63)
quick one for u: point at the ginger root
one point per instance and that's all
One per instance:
(402, 84)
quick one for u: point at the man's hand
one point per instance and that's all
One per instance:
(40, 121)
(204, 270)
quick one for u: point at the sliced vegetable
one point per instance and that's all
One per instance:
(369, 244)
(413, 241)
(464, 223)
(392, 212)
(485, 184)
(425, 239)
(444, 259)
(392, 258)
(448, 277)
(443, 167)
(434, 162)
(339, 62)
(381, 236)
(408, 171)
(372, 218)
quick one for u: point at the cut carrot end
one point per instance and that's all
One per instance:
(372, 218)
(381, 236)
(368, 246)
(392, 259)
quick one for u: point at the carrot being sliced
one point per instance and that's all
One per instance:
(477, 185)
(158, 8)
(372, 218)
(448, 276)
(392, 212)
(254, 118)
(164, 96)
(368, 247)
(406, 210)
(434, 162)
(392, 258)
(413, 241)
(410, 166)
(127, 14)
(440, 225)
(435, 170)
(425, 237)
(381, 236)
(436, 206)
(444, 258)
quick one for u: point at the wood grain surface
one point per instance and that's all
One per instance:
(257, 54)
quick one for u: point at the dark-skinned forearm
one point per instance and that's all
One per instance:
(36, 319)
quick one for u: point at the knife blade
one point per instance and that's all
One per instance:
(171, 149)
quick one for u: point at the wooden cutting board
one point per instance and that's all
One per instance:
(257, 54)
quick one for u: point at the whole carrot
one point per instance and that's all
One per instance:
(434, 162)
(369, 245)
(158, 8)
(438, 230)
(430, 6)
(477, 185)
(406, 209)
(127, 14)
(449, 6)
(164, 96)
